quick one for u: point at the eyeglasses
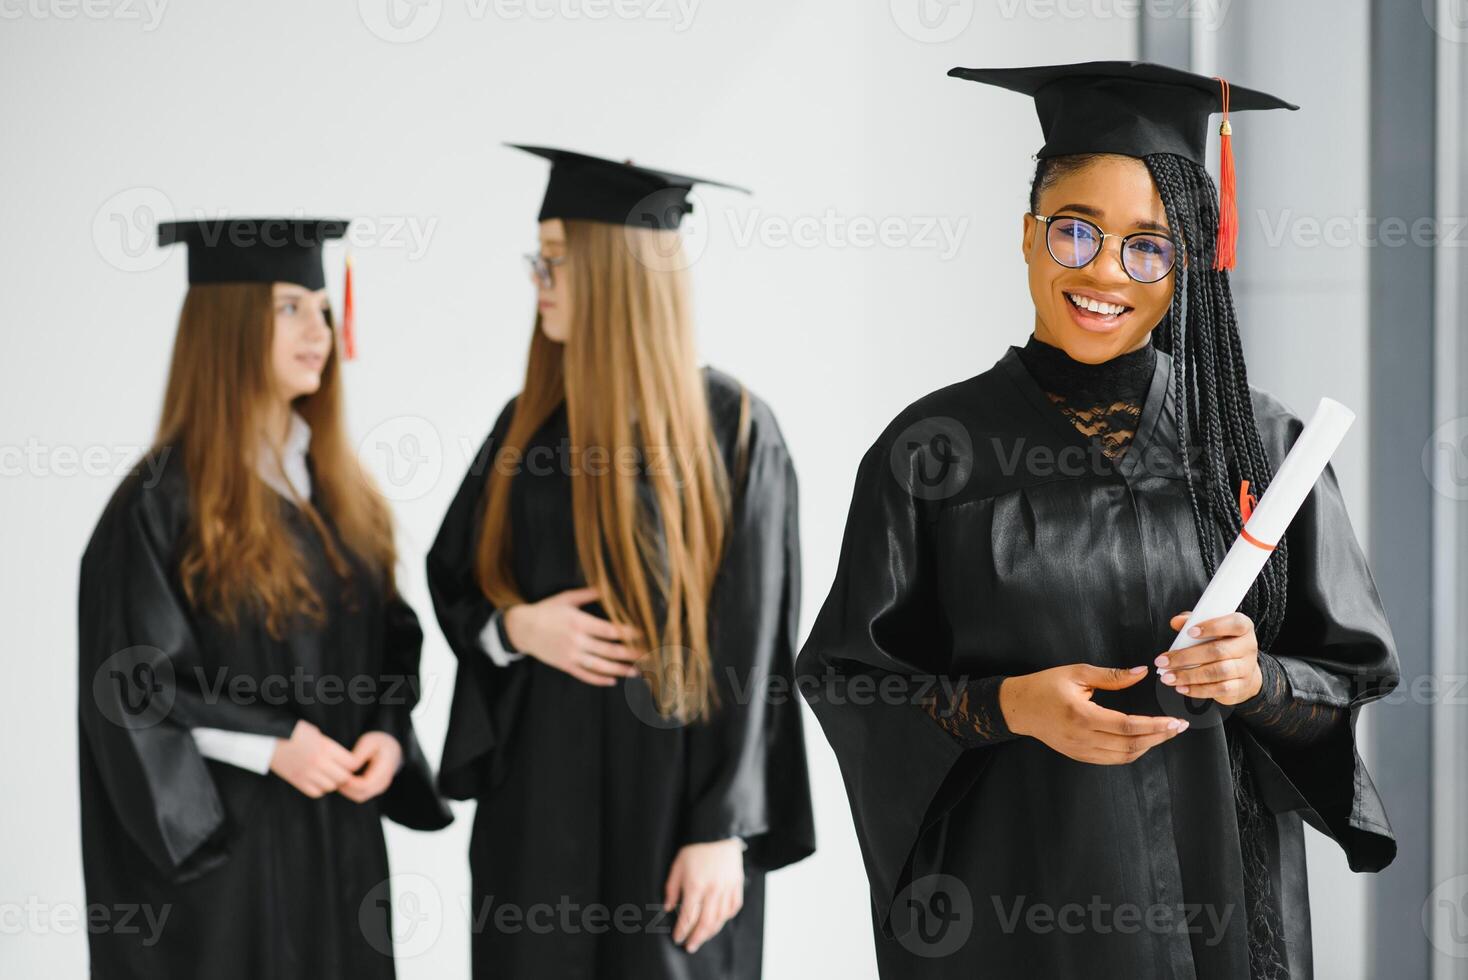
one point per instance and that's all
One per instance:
(1075, 242)
(543, 268)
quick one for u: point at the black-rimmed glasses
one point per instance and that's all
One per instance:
(1075, 242)
(543, 268)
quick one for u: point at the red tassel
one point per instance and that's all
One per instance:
(349, 316)
(1247, 501)
(1228, 205)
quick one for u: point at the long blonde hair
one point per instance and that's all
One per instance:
(630, 350)
(238, 553)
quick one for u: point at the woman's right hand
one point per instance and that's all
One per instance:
(313, 763)
(1055, 707)
(558, 633)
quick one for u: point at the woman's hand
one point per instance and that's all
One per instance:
(382, 755)
(707, 883)
(1055, 707)
(1224, 668)
(559, 634)
(310, 761)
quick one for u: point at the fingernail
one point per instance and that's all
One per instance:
(1161, 661)
(1175, 725)
(1182, 689)
(1168, 677)
(1185, 725)
(1196, 631)
(1138, 670)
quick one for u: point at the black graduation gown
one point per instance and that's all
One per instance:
(585, 796)
(249, 877)
(987, 536)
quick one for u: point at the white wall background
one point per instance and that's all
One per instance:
(835, 113)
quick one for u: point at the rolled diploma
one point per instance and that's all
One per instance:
(1272, 514)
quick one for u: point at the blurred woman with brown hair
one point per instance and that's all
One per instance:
(238, 620)
(619, 576)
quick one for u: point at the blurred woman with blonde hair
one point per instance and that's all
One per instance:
(619, 576)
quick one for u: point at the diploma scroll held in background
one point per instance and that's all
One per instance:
(1262, 531)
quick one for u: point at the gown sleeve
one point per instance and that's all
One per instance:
(138, 691)
(412, 798)
(869, 661)
(747, 772)
(485, 695)
(1336, 649)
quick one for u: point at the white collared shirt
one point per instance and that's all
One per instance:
(289, 476)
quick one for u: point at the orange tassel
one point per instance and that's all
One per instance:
(349, 316)
(1247, 501)
(1228, 205)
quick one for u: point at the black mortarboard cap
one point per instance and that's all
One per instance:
(264, 250)
(589, 188)
(1134, 108)
(255, 249)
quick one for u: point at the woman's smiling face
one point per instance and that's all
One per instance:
(1115, 193)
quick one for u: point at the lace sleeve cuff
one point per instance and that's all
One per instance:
(1277, 714)
(970, 711)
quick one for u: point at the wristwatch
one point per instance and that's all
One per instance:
(504, 634)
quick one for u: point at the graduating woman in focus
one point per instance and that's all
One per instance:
(247, 667)
(619, 576)
(1039, 789)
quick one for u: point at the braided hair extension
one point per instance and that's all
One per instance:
(1216, 413)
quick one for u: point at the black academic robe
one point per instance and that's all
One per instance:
(229, 873)
(585, 794)
(987, 536)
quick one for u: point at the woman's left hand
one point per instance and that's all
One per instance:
(381, 754)
(1224, 668)
(707, 882)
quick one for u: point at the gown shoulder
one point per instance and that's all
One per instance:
(723, 399)
(154, 495)
(1278, 423)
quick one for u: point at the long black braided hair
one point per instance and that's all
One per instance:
(1215, 413)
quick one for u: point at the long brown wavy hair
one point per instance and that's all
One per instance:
(238, 554)
(629, 376)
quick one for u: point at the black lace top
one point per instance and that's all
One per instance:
(1104, 401)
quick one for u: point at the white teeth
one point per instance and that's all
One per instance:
(1095, 306)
